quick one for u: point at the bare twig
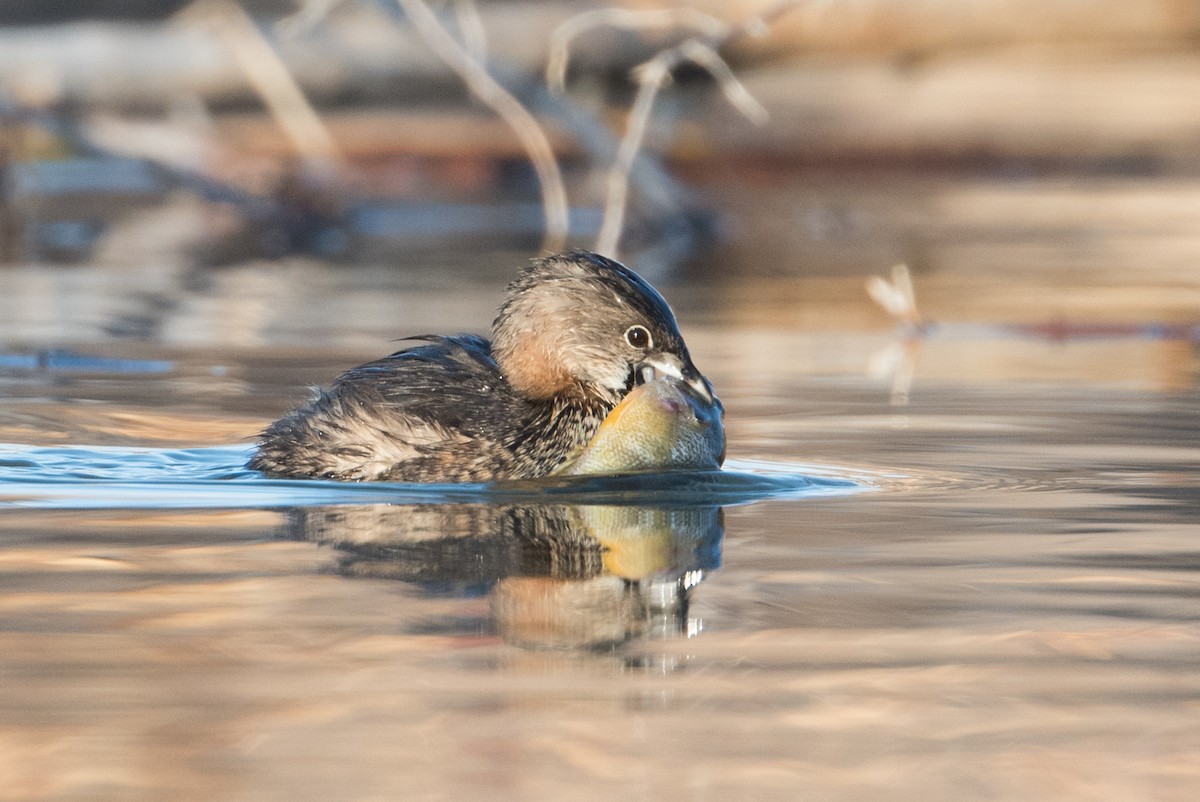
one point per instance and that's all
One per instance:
(489, 91)
(897, 297)
(470, 28)
(308, 15)
(734, 90)
(274, 82)
(898, 359)
(641, 20)
(652, 77)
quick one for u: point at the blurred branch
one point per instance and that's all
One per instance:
(656, 19)
(898, 359)
(470, 28)
(272, 80)
(489, 91)
(897, 297)
(652, 77)
(739, 97)
(307, 16)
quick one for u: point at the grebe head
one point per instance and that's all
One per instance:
(580, 325)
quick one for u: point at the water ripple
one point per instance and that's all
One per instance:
(98, 477)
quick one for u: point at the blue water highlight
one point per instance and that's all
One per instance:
(105, 477)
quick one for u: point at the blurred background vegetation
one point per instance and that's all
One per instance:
(994, 134)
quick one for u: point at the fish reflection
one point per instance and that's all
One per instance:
(558, 576)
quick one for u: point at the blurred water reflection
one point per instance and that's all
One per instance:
(559, 577)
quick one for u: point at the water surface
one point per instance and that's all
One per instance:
(964, 566)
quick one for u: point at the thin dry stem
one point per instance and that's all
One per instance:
(273, 81)
(643, 20)
(735, 91)
(652, 76)
(470, 27)
(503, 103)
(897, 297)
(307, 16)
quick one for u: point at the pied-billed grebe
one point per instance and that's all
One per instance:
(575, 333)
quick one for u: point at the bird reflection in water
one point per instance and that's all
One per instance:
(559, 576)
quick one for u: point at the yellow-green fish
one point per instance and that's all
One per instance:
(661, 425)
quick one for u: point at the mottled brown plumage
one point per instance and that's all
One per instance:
(574, 334)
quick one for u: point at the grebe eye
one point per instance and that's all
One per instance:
(638, 337)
